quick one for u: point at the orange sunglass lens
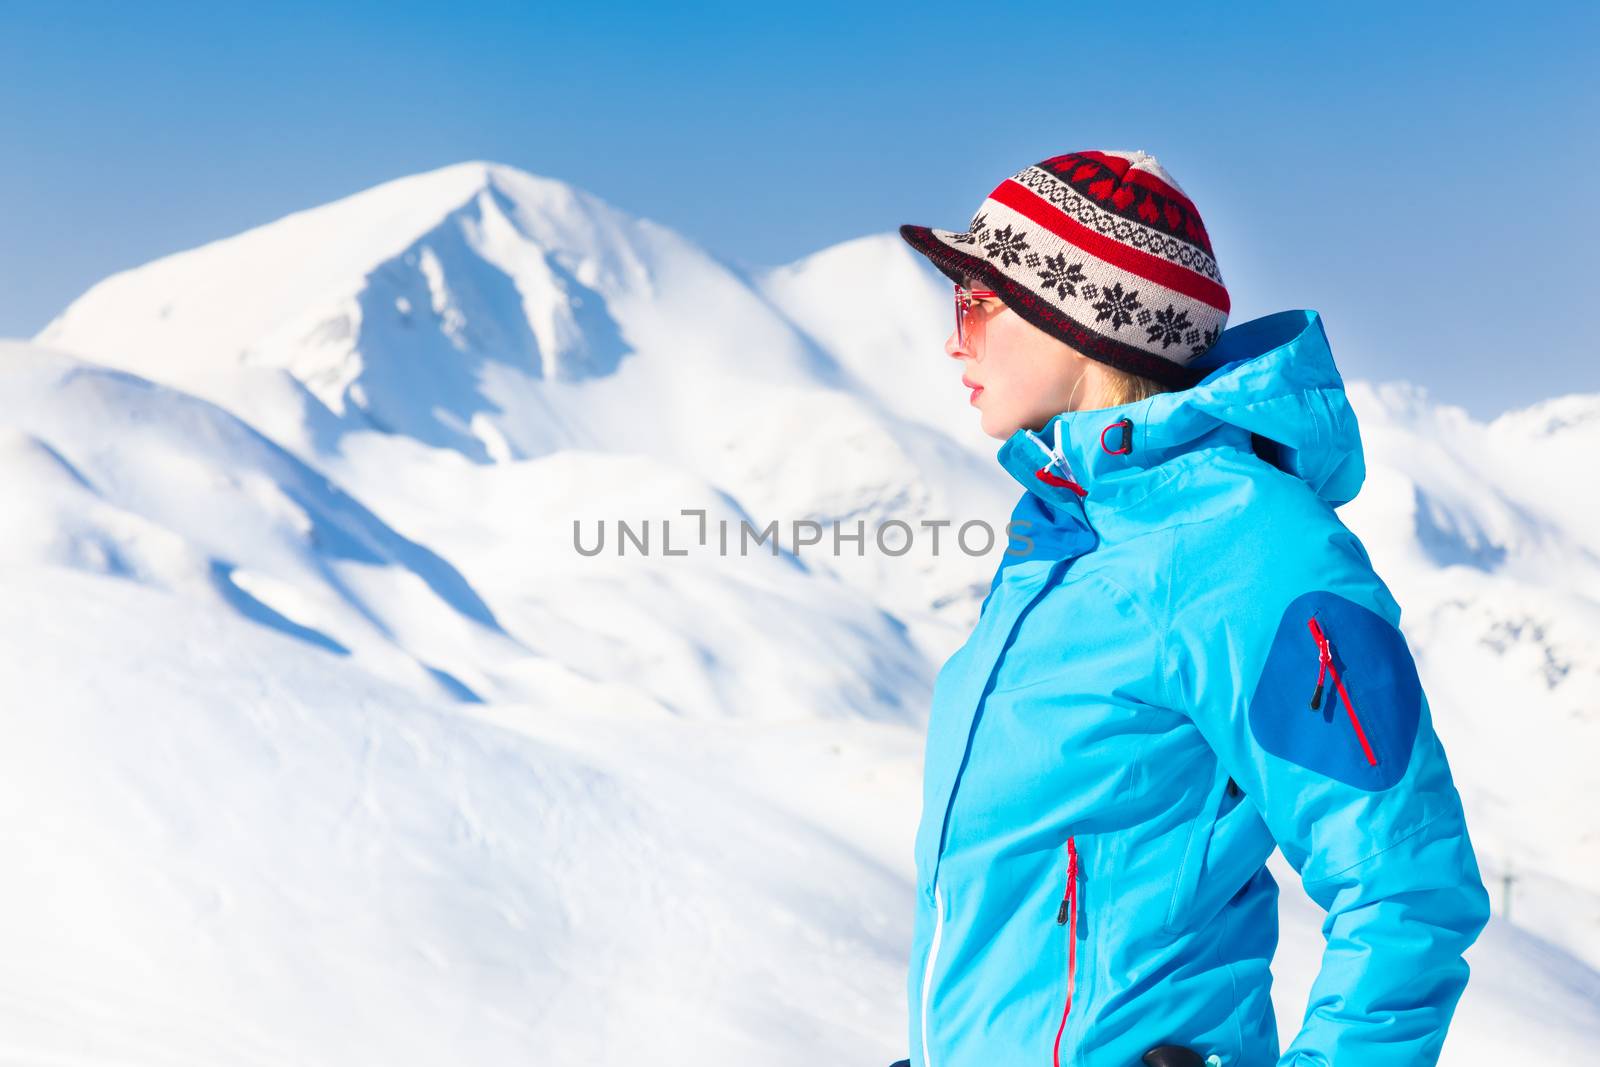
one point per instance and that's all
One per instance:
(970, 316)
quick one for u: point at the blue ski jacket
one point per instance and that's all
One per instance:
(1185, 660)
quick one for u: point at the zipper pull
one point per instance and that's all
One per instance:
(1324, 658)
(1072, 882)
(1325, 662)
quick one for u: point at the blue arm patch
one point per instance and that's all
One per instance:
(1339, 693)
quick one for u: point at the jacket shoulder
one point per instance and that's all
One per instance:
(1245, 578)
(1264, 537)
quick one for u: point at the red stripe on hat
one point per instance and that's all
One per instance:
(1130, 173)
(1025, 201)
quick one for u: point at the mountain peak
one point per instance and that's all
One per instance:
(439, 306)
(388, 303)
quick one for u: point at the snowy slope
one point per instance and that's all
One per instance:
(111, 475)
(117, 476)
(225, 846)
(248, 777)
(330, 748)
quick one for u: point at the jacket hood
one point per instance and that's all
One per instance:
(1271, 387)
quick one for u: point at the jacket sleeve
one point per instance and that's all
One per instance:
(1304, 686)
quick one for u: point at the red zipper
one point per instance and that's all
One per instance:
(1325, 667)
(1067, 915)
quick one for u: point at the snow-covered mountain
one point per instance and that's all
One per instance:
(487, 313)
(329, 746)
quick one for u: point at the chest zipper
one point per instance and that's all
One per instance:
(1325, 667)
(1067, 915)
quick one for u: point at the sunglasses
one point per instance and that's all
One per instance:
(971, 315)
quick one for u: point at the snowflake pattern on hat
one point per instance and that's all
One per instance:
(1169, 326)
(1117, 306)
(1062, 276)
(1005, 245)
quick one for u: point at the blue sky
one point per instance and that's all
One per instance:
(1422, 175)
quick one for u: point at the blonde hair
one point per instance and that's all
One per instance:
(1121, 387)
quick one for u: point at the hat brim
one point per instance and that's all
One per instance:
(943, 250)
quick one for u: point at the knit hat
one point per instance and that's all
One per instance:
(1102, 250)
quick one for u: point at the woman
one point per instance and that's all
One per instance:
(1184, 661)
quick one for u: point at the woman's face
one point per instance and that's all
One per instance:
(1020, 375)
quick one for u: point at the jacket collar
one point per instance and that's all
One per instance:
(1271, 377)
(1103, 458)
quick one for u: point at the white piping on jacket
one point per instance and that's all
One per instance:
(1055, 455)
(927, 971)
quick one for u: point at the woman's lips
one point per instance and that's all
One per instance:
(976, 389)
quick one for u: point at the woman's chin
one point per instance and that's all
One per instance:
(995, 426)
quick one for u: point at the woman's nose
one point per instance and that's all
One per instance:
(952, 347)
